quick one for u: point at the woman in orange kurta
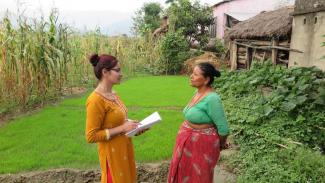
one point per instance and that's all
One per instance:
(107, 123)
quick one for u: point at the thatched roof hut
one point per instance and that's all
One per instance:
(265, 36)
(266, 25)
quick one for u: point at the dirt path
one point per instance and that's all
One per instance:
(147, 173)
(221, 173)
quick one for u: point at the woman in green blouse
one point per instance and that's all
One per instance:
(203, 133)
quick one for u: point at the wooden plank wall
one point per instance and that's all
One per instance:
(244, 51)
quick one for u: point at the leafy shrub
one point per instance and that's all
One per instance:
(300, 165)
(281, 132)
(298, 93)
(174, 49)
(220, 47)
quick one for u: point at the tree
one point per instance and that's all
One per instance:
(174, 49)
(192, 20)
(147, 18)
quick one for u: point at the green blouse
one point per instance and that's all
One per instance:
(209, 110)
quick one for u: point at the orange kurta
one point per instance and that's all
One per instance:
(102, 114)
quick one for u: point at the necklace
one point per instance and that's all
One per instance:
(109, 96)
(194, 102)
(115, 99)
(122, 106)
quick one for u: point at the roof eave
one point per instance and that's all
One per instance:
(222, 2)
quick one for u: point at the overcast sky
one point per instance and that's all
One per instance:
(113, 16)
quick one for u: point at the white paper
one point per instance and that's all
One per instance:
(145, 124)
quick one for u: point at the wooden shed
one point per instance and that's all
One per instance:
(265, 36)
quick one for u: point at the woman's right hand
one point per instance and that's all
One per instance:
(224, 144)
(129, 125)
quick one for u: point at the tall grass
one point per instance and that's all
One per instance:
(138, 54)
(40, 59)
(34, 60)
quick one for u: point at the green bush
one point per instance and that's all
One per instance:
(300, 165)
(298, 93)
(174, 49)
(277, 117)
(220, 47)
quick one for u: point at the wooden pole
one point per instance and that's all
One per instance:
(263, 57)
(230, 52)
(249, 57)
(274, 51)
(234, 56)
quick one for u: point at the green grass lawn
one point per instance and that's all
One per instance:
(54, 137)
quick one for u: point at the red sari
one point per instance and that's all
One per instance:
(195, 155)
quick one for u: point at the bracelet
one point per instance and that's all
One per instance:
(108, 136)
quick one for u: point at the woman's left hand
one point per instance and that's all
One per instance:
(140, 132)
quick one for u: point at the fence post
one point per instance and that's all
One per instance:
(274, 51)
(234, 55)
(249, 56)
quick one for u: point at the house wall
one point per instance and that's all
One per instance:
(303, 6)
(246, 8)
(307, 37)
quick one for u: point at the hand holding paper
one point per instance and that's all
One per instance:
(145, 124)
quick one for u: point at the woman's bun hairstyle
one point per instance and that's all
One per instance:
(208, 70)
(217, 73)
(94, 59)
(104, 61)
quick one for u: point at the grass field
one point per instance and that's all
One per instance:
(54, 137)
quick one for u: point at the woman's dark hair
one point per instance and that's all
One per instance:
(209, 71)
(101, 62)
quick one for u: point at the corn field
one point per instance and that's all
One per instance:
(138, 55)
(40, 59)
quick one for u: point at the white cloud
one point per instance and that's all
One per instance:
(83, 5)
(110, 15)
